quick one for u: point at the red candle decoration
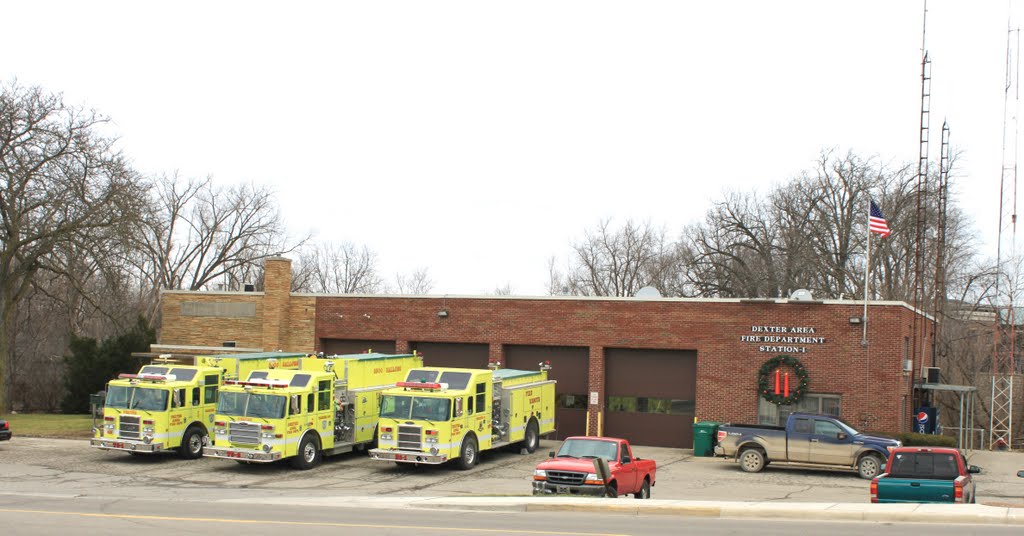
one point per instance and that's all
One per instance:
(787, 385)
(777, 385)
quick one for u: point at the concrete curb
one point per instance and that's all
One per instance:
(973, 514)
(906, 513)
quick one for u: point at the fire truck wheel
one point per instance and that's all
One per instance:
(191, 444)
(308, 455)
(468, 454)
(532, 439)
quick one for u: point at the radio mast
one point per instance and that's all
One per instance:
(1004, 363)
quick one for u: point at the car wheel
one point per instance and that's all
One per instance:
(645, 491)
(869, 466)
(751, 460)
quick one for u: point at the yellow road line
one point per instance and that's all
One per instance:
(303, 523)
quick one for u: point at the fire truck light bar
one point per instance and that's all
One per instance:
(147, 376)
(258, 383)
(419, 385)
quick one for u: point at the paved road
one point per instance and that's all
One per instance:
(52, 515)
(30, 464)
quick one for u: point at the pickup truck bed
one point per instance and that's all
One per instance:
(925, 475)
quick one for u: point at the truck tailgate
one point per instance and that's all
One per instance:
(911, 490)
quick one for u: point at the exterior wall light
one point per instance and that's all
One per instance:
(443, 313)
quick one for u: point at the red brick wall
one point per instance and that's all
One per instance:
(870, 379)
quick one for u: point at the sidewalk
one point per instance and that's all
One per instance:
(973, 514)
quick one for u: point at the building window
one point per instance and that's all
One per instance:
(642, 404)
(570, 401)
(770, 414)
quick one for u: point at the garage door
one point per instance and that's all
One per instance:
(650, 396)
(354, 346)
(569, 367)
(452, 354)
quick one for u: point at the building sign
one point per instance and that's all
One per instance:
(783, 339)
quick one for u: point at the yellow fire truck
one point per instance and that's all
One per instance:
(170, 405)
(306, 414)
(442, 414)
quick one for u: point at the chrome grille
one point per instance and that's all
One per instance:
(129, 427)
(566, 478)
(247, 433)
(410, 438)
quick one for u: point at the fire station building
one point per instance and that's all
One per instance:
(640, 368)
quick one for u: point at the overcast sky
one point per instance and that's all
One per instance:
(478, 139)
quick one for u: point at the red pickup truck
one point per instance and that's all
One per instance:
(572, 470)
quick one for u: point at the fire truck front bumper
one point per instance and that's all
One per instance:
(242, 455)
(541, 487)
(408, 456)
(127, 445)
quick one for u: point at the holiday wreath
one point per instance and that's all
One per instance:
(768, 383)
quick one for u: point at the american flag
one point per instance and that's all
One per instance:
(877, 221)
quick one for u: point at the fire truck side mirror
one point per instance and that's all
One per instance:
(295, 404)
(458, 407)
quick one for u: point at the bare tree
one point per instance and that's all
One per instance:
(199, 233)
(338, 269)
(62, 183)
(416, 283)
(504, 290)
(617, 262)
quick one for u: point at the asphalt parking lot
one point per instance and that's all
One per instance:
(63, 465)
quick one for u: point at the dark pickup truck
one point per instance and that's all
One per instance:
(925, 475)
(807, 440)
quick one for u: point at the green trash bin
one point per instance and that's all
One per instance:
(705, 434)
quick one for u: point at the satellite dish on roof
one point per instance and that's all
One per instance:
(647, 292)
(801, 294)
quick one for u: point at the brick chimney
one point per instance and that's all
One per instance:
(277, 284)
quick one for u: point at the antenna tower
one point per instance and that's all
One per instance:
(940, 241)
(1003, 360)
(922, 221)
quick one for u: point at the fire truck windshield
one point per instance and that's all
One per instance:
(247, 404)
(415, 407)
(144, 398)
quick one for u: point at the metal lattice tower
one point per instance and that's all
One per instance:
(1003, 359)
(922, 220)
(940, 241)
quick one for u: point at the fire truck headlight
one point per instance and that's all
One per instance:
(431, 439)
(147, 430)
(385, 437)
(267, 447)
(221, 431)
(109, 427)
(267, 436)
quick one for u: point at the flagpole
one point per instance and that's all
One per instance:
(867, 270)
